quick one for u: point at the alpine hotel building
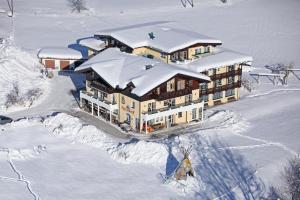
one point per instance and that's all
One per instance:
(155, 77)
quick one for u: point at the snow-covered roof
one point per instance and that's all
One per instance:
(59, 53)
(119, 69)
(222, 57)
(166, 39)
(92, 43)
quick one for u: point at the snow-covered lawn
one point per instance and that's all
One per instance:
(57, 168)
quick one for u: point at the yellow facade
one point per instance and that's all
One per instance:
(144, 51)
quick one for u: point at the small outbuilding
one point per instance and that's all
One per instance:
(60, 58)
(94, 45)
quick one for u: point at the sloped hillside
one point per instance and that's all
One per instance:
(20, 68)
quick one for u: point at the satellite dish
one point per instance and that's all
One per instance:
(9, 14)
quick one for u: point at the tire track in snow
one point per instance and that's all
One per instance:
(21, 177)
(265, 143)
(274, 91)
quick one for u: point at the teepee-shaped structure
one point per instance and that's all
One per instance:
(185, 167)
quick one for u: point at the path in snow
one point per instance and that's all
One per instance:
(21, 177)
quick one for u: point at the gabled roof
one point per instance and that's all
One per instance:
(222, 57)
(164, 38)
(119, 69)
(59, 53)
(92, 43)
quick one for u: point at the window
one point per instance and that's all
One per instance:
(170, 86)
(113, 99)
(203, 86)
(161, 118)
(214, 71)
(217, 95)
(218, 83)
(194, 113)
(128, 118)
(188, 98)
(180, 84)
(165, 103)
(151, 106)
(230, 80)
(197, 51)
(204, 98)
(206, 49)
(190, 83)
(179, 114)
(158, 90)
(102, 95)
(123, 100)
(163, 55)
(174, 56)
(133, 105)
(229, 92)
(183, 55)
(231, 68)
(171, 102)
(157, 119)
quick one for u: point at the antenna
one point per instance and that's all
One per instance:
(184, 2)
(10, 3)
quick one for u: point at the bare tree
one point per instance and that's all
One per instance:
(290, 189)
(77, 5)
(247, 84)
(13, 96)
(291, 176)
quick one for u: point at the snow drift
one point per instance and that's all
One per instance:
(18, 67)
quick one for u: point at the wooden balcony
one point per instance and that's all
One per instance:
(170, 95)
(221, 88)
(226, 74)
(99, 86)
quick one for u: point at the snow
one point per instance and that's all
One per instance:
(222, 57)
(59, 53)
(92, 43)
(17, 66)
(167, 39)
(266, 74)
(119, 69)
(240, 146)
(64, 164)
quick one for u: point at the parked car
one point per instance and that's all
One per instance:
(5, 120)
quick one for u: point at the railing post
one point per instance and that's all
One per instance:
(110, 115)
(146, 126)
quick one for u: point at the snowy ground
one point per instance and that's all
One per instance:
(238, 152)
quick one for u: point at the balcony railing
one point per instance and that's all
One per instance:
(170, 95)
(221, 88)
(226, 74)
(166, 111)
(103, 103)
(101, 87)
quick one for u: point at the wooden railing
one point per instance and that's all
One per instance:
(226, 74)
(99, 86)
(221, 88)
(170, 95)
